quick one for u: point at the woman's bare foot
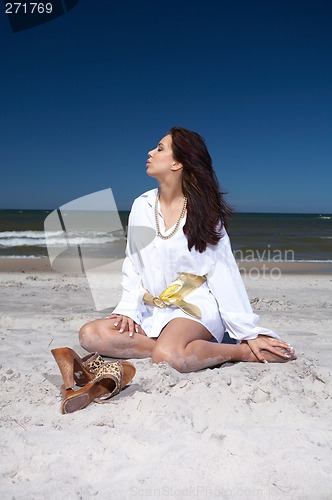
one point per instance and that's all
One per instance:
(285, 354)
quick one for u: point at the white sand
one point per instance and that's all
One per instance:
(238, 431)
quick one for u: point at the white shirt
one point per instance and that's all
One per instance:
(152, 263)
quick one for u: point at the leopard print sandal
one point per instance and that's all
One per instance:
(74, 369)
(107, 382)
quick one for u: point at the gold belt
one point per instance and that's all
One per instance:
(174, 293)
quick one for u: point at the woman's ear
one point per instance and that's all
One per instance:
(176, 166)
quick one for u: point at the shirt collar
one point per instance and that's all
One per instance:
(151, 196)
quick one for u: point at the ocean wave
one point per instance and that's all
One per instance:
(23, 257)
(27, 234)
(276, 262)
(314, 260)
(57, 238)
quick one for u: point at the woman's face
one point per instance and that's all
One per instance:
(161, 161)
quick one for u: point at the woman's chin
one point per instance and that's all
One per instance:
(148, 172)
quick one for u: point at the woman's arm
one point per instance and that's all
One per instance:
(226, 284)
(131, 302)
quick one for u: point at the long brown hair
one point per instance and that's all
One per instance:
(206, 207)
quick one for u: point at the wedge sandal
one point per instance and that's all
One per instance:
(107, 383)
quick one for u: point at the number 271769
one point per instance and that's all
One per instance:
(29, 8)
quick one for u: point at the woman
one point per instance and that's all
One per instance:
(186, 217)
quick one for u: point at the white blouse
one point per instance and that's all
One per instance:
(152, 263)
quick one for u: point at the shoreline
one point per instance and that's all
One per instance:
(255, 267)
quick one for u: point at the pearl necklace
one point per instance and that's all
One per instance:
(177, 225)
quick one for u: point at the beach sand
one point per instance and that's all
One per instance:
(241, 430)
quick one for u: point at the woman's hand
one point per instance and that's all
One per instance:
(123, 323)
(270, 344)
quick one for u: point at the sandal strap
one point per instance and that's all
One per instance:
(114, 371)
(93, 362)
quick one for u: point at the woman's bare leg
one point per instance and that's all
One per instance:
(185, 345)
(102, 336)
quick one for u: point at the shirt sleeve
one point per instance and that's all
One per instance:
(225, 283)
(131, 303)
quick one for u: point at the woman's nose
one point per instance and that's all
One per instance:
(150, 154)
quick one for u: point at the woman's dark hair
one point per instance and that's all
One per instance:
(205, 203)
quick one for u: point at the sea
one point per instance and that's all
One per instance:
(254, 236)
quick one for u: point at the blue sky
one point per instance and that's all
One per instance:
(85, 96)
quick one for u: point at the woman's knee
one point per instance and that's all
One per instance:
(87, 336)
(172, 357)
